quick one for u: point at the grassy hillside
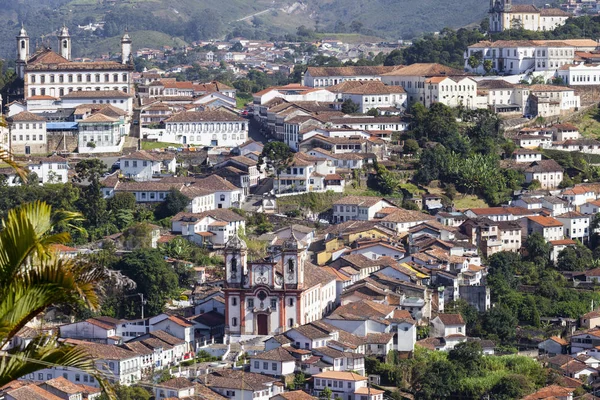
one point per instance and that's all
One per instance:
(159, 21)
(141, 39)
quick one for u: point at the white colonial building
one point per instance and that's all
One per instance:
(206, 128)
(523, 56)
(47, 73)
(504, 15)
(27, 133)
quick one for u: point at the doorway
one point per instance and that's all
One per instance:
(262, 322)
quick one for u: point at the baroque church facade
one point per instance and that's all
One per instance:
(505, 15)
(272, 295)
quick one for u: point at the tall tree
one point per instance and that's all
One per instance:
(174, 203)
(153, 276)
(91, 202)
(277, 156)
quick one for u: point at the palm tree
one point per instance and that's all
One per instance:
(33, 277)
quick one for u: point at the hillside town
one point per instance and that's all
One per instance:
(363, 232)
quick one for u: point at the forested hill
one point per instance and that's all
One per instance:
(167, 22)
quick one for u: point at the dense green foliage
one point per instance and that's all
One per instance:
(461, 373)
(466, 156)
(154, 277)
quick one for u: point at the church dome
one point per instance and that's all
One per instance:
(126, 37)
(23, 32)
(235, 243)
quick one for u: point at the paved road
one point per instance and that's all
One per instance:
(254, 15)
(254, 131)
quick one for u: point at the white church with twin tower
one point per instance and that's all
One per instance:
(52, 75)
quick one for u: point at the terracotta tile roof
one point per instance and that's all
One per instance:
(98, 117)
(350, 71)
(364, 309)
(96, 94)
(368, 391)
(138, 347)
(314, 276)
(425, 69)
(236, 379)
(177, 383)
(560, 341)
(201, 116)
(32, 392)
(148, 156)
(277, 354)
(103, 351)
(104, 322)
(63, 385)
(343, 376)
(401, 215)
(550, 391)
(25, 116)
(577, 190)
(168, 338)
(364, 201)
(379, 338)
(451, 319)
(554, 12)
(545, 221)
(296, 395)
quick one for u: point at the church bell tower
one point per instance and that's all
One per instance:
(236, 253)
(293, 262)
(22, 52)
(64, 43)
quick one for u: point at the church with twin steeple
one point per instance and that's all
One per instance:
(271, 295)
(53, 74)
(505, 15)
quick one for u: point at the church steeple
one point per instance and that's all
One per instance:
(236, 252)
(22, 52)
(293, 261)
(64, 42)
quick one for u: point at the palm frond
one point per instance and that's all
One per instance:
(7, 158)
(47, 352)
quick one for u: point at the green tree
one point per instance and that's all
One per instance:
(467, 356)
(373, 112)
(537, 249)
(475, 60)
(509, 387)
(487, 66)
(91, 202)
(277, 156)
(153, 276)
(121, 201)
(577, 258)
(349, 107)
(175, 202)
(411, 146)
(299, 381)
(129, 393)
(437, 381)
(393, 58)
(500, 323)
(325, 394)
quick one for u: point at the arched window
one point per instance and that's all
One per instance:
(234, 321)
(124, 77)
(22, 44)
